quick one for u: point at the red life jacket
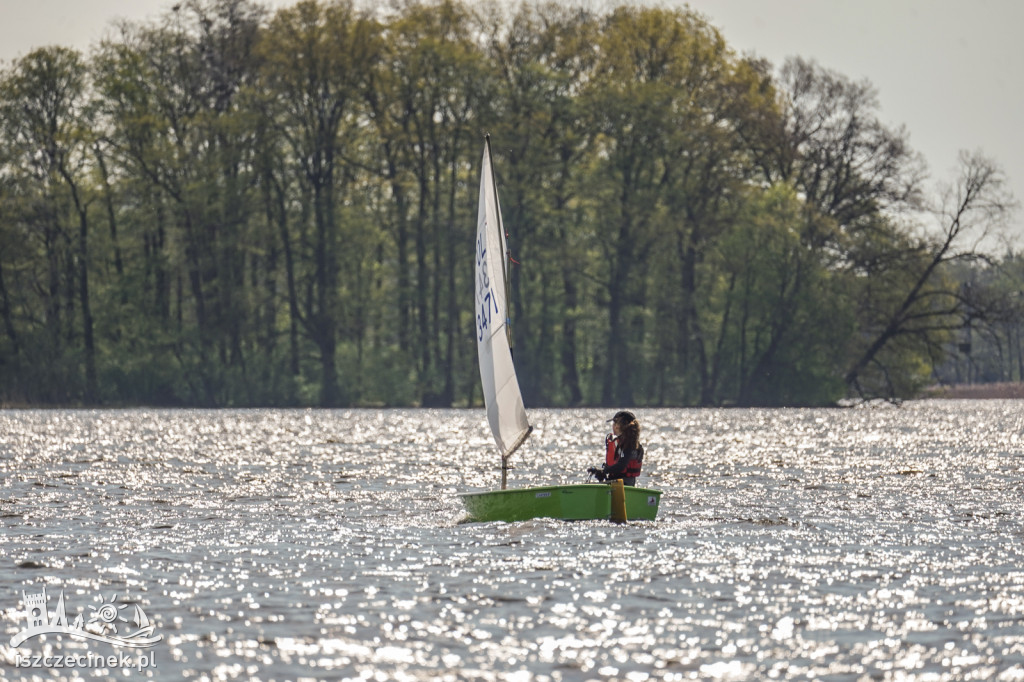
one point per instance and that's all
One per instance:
(612, 455)
(634, 465)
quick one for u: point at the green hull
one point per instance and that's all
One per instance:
(568, 502)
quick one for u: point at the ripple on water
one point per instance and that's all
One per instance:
(278, 544)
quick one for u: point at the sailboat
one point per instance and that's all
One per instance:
(506, 413)
(145, 627)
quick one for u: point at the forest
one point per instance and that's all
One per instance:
(228, 206)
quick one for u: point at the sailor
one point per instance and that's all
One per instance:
(624, 455)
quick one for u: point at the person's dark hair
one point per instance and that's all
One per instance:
(629, 427)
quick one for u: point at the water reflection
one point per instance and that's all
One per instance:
(312, 544)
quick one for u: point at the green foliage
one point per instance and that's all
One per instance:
(989, 348)
(780, 316)
(227, 207)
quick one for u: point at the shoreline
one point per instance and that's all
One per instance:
(993, 391)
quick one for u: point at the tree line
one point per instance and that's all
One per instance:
(228, 206)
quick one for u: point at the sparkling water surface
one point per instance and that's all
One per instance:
(868, 543)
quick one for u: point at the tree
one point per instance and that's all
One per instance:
(927, 306)
(858, 178)
(541, 58)
(226, 206)
(46, 115)
(433, 81)
(990, 346)
(834, 148)
(778, 317)
(177, 128)
(673, 112)
(315, 59)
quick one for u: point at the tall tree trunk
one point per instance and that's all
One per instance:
(617, 386)
(108, 199)
(452, 313)
(692, 349)
(325, 323)
(402, 247)
(5, 314)
(91, 384)
(289, 270)
(618, 264)
(423, 298)
(570, 374)
(161, 277)
(88, 336)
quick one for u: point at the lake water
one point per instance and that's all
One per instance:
(877, 542)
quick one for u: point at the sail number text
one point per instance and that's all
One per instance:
(487, 302)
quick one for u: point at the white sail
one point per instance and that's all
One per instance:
(505, 411)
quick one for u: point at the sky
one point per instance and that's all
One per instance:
(951, 71)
